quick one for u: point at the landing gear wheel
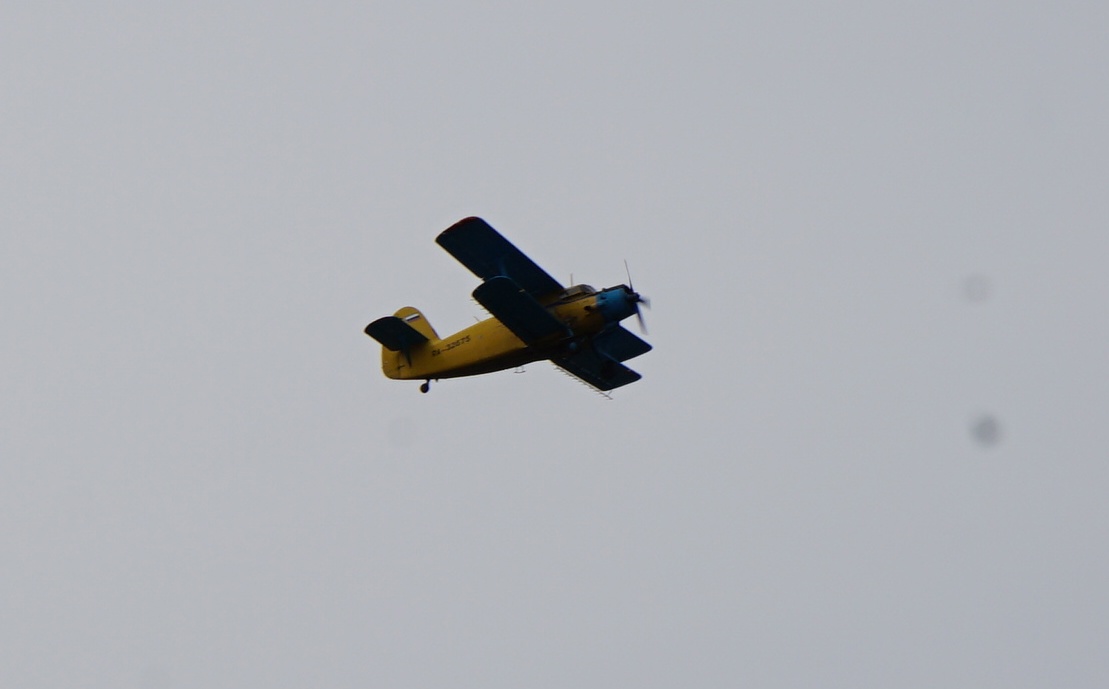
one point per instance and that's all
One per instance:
(425, 386)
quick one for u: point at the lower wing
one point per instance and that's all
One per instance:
(599, 371)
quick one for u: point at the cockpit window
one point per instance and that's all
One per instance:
(578, 291)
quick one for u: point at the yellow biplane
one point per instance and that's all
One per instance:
(534, 318)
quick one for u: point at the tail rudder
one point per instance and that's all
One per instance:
(412, 316)
(399, 335)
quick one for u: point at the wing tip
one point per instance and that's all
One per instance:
(462, 225)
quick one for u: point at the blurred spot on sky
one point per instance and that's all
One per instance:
(985, 430)
(977, 288)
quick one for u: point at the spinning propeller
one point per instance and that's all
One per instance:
(636, 298)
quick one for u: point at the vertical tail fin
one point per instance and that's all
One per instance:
(400, 335)
(417, 321)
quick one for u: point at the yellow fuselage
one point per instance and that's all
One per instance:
(489, 346)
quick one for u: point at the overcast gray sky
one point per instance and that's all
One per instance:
(868, 449)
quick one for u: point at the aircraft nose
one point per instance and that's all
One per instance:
(619, 302)
(634, 298)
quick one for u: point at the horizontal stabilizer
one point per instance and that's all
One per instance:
(476, 245)
(394, 334)
(518, 310)
(599, 371)
(620, 344)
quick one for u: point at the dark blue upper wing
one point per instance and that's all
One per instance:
(484, 251)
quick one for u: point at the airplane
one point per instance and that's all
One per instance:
(534, 318)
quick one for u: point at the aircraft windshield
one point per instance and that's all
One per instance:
(578, 291)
